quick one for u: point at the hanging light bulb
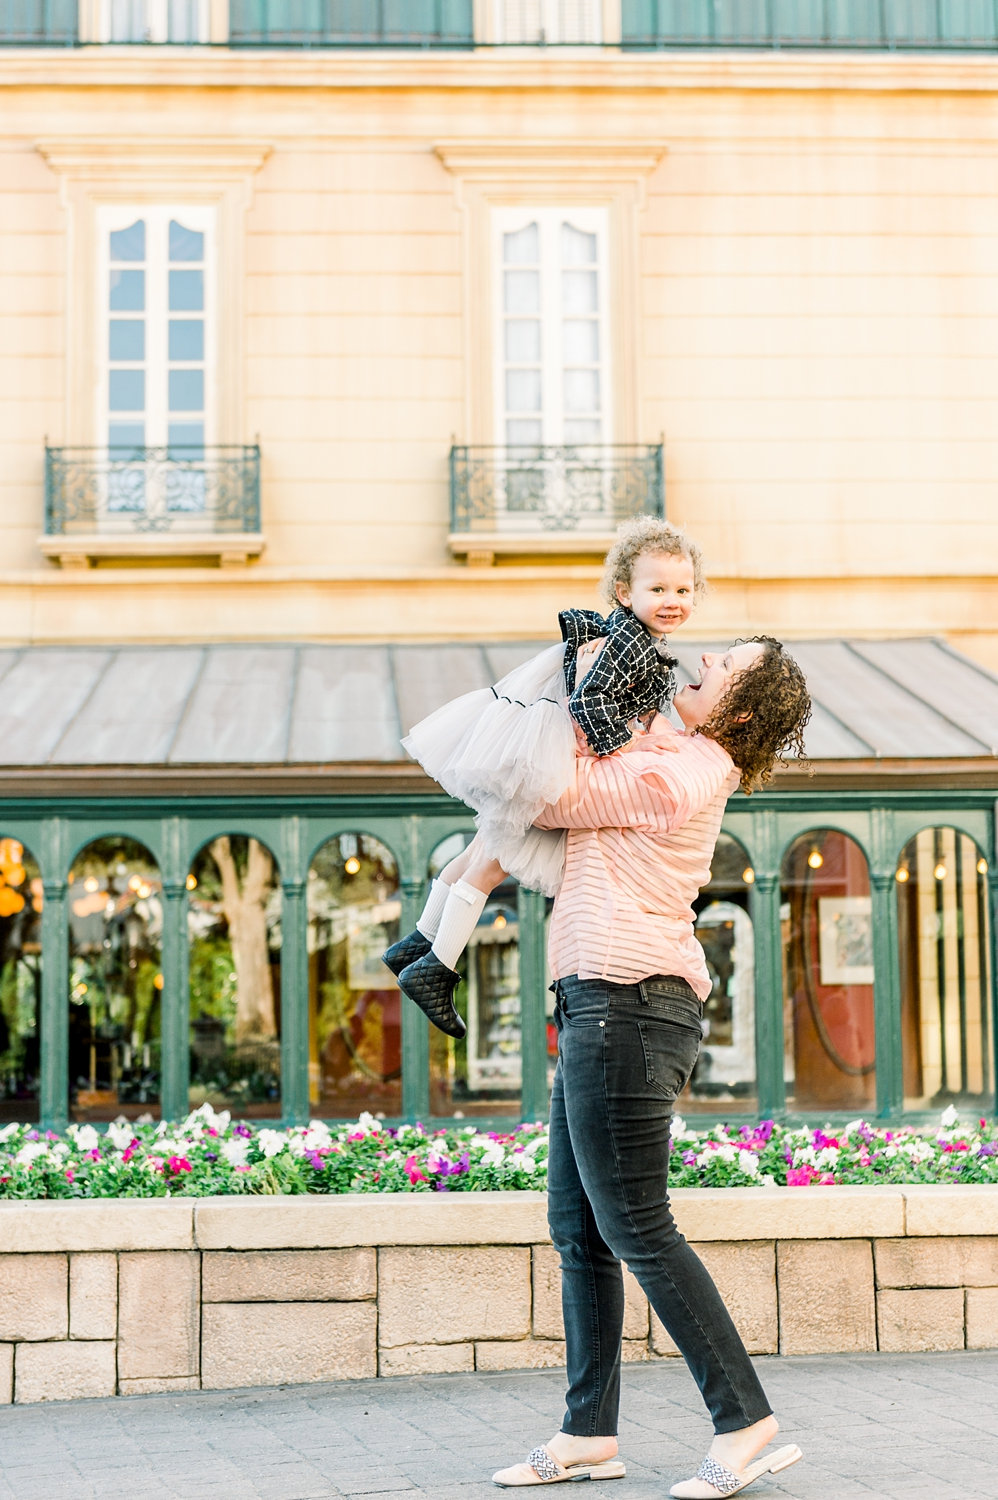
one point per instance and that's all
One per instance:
(816, 859)
(352, 865)
(982, 867)
(748, 875)
(499, 920)
(192, 882)
(91, 884)
(940, 871)
(901, 874)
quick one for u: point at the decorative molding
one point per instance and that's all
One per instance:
(550, 161)
(153, 160)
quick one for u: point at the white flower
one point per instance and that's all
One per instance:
(271, 1142)
(828, 1156)
(677, 1127)
(8, 1131)
(295, 1144)
(315, 1136)
(205, 1118)
(85, 1137)
(236, 1151)
(31, 1151)
(367, 1122)
(949, 1117)
(749, 1163)
(120, 1134)
(527, 1163)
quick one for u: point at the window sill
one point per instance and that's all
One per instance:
(80, 550)
(481, 548)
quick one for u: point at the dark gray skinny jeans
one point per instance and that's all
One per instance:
(625, 1052)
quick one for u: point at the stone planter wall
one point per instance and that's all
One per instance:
(98, 1298)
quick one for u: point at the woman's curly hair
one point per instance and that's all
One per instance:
(762, 715)
(647, 534)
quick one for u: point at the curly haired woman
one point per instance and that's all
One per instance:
(631, 982)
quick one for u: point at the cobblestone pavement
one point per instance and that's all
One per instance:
(897, 1427)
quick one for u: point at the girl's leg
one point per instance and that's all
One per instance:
(471, 861)
(466, 900)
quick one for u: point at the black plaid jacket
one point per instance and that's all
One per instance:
(632, 675)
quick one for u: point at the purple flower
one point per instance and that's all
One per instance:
(210, 1156)
(242, 1130)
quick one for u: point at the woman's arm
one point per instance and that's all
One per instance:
(647, 786)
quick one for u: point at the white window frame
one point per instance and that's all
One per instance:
(157, 21)
(550, 27)
(589, 219)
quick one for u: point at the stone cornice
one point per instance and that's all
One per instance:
(153, 158)
(500, 159)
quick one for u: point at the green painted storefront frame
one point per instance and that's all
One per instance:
(411, 826)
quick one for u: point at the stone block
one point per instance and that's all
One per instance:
(982, 1318)
(99, 1224)
(520, 1354)
(66, 1371)
(444, 1295)
(938, 1209)
(270, 1343)
(34, 1303)
(427, 1359)
(826, 1296)
(288, 1275)
(921, 1319)
(965, 1260)
(158, 1295)
(710, 1214)
(546, 1283)
(745, 1276)
(93, 1296)
(315, 1222)
(6, 1374)
(156, 1384)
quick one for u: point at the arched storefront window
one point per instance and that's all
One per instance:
(725, 1071)
(115, 981)
(946, 1042)
(234, 930)
(827, 927)
(482, 1073)
(20, 981)
(354, 1032)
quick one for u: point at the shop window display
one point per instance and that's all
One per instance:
(20, 981)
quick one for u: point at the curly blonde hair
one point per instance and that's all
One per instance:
(763, 715)
(644, 534)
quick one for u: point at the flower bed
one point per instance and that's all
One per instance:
(209, 1154)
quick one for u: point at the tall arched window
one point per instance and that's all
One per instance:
(234, 930)
(354, 1032)
(827, 924)
(946, 1042)
(482, 1073)
(115, 981)
(20, 981)
(725, 1070)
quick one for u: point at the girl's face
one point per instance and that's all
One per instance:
(660, 593)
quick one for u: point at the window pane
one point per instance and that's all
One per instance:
(522, 291)
(185, 244)
(127, 339)
(355, 1007)
(21, 900)
(579, 430)
(582, 390)
(522, 431)
(186, 390)
(128, 291)
(523, 247)
(827, 927)
(186, 338)
(523, 390)
(128, 435)
(943, 941)
(577, 248)
(186, 291)
(234, 928)
(523, 340)
(116, 981)
(580, 341)
(130, 243)
(187, 435)
(578, 292)
(725, 1070)
(127, 390)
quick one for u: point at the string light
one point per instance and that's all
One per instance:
(352, 865)
(816, 859)
(192, 882)
(940, 871)
(982, 867)
(748, 875)
(901, 874)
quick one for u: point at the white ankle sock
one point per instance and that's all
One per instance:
(429, 919)
(465, 905)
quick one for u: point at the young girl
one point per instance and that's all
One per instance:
(509, 750)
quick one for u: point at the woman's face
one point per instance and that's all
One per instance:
(718, 670)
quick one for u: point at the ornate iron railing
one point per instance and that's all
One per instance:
(575, 488)
(351, 23)
(38, 23)
(878, 25)
(118, 492)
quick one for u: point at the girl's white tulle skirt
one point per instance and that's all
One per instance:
(507, 751)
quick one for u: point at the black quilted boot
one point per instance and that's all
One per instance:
(431, 984)
(406, 951)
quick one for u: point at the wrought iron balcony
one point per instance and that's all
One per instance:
(351, 23)
(107, 501)
(549, 498)
(878, 25)
(38, 23)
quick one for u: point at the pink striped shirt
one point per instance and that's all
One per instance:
(642, 825)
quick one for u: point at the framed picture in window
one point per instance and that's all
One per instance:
(845, 939)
